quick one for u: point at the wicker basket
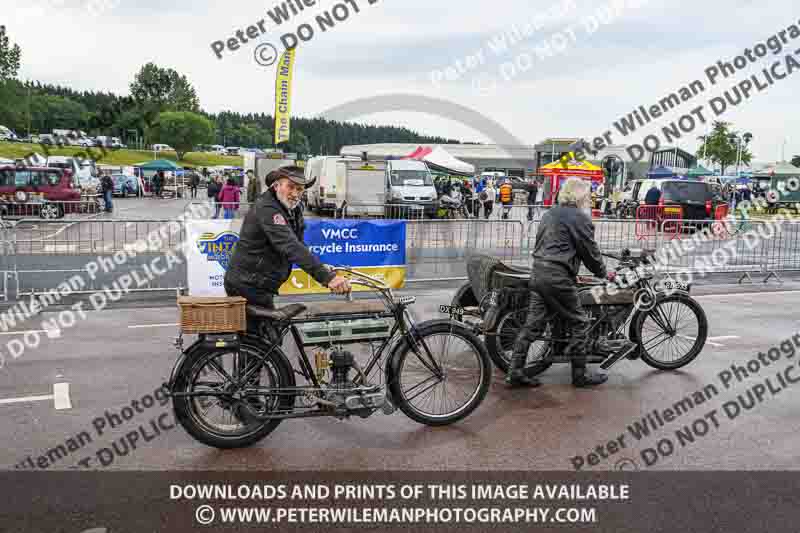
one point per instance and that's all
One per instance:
(212, 315)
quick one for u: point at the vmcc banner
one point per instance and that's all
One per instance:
(283, 96)
(374, 247)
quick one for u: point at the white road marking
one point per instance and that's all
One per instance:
(708, 341)
(51, 333)
(154, 326)
(27, 399)
(771, 293)
(724, 338)
(60, 397)
(31, 331)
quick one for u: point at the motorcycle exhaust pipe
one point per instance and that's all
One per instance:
(614, 358)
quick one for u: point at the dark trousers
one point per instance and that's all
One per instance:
(194, 191)
(253, 296)
(256, 327)
(554, 296)
(487, 209)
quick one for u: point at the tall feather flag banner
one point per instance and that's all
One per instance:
(283, 96)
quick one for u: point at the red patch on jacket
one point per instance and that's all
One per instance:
(277, 218)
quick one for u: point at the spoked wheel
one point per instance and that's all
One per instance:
(50, 212)
(443, 377)
(673, 333)
(501, 345)
(214, 419)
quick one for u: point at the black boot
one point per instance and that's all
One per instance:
(516, 375)
(583, 378)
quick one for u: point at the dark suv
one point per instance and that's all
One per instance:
(699, 200)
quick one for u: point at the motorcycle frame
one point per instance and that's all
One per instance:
(404, 325)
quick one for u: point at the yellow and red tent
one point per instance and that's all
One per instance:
(569, 167)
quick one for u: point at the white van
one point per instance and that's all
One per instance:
(84, 170)
(109, 142)
(328, 171)
(410, 183)
(163, 148)
(232, 150)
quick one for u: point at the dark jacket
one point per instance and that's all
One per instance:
(213, 189)
(565, 238)
(653, 196)
(271, 240)
(106, 184)
(533, 192)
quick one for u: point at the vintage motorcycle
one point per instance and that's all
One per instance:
(669, 326)
(231, 390)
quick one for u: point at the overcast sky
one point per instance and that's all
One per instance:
(648, 50)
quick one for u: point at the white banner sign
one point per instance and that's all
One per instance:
(210, 244)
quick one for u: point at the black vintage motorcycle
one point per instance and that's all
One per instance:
(669, 327)
(232, 390)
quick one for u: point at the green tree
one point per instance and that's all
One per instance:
(56, 112)
(163, 89)
(722, 146)
(9, 57)
(298, 143)
(183, 131)
(796, 160)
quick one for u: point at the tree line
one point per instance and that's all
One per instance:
(163, 103)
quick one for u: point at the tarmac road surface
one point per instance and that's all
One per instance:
(54, 397)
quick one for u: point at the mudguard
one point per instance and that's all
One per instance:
(638, 312)
(245, 339)
(394, 357)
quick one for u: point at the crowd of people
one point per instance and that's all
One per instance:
(476, 197)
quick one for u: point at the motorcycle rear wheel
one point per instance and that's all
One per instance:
(200, 372)
(501, 345)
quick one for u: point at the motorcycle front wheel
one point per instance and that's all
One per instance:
(673, 333)
(442, 376)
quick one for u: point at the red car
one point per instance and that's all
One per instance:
(31, 191)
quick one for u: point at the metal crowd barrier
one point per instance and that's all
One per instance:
(715, 247)
(92, 254)
(384, 211)
(49, 210)
(782, 252)
(38, 256)
(437, 250)
(207, 210)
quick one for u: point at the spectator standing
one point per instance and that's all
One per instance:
(229, 198)
(194, 182)
(214, 188)
(506, 198)
(489, 193)
(253, 187)
(107, 188)
(533, 196)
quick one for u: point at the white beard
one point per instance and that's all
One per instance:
(288, 205)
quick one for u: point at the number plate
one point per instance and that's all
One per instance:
(670, 285)
(451, 310)
(672, 210)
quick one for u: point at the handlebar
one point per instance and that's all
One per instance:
(365, 280)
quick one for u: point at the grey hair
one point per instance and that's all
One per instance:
(575, 191)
